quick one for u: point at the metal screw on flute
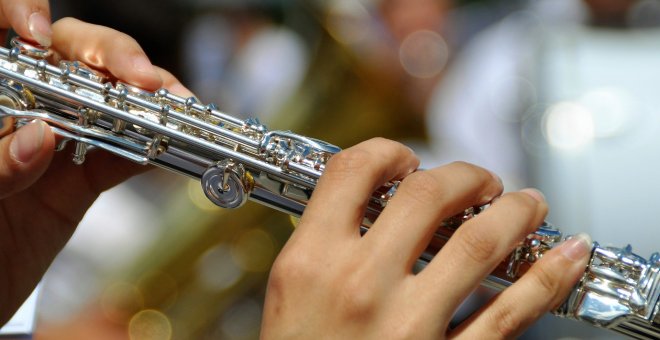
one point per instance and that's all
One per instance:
(227, 184)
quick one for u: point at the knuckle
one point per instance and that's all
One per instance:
(478, 177)
(357, 301)
(505, 322)
(291, 268)
(348, 161)
(66, 20)
(127, 44)
(546, 281)
(423, 186)
(382, 141)
(523, 200)
(476, 245)
(472, 171)
(526, 207)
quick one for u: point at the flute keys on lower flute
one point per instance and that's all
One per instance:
(80, 153)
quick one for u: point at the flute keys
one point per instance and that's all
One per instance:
(227, 184)
(30, 49)
(80, 153)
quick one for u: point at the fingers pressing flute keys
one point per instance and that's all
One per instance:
(108, 50)
(32, 178)
(364, 287)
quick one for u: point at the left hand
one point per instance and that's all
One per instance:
(43, 195)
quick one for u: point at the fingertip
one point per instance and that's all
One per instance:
(576, 247)
(40, 29)
(25, 155)
(172, 84)
(28, 142)
(534, 193)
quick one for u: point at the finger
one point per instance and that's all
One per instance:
(479, 245)
(105, 49)
(25, 156)
(6, 125)
(422, 201)
(29, 18)
(540, 290)
(172, 84)
(349, 179)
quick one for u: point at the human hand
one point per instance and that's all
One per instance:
(43, 195)
(29, 18)
(329, 282)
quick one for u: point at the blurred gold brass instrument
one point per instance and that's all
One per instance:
(239, 159)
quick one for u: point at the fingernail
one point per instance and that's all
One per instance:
(576, 247)
(180, 90)
(39, 27)
(535, 193)
(27, 141)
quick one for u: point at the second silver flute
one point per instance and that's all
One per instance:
(239, 159)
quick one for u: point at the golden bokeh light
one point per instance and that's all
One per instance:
(150, 324)
(253, 251)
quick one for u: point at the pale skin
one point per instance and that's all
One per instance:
(328, 282)
(29, 18)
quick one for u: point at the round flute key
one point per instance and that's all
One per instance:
(227, 184)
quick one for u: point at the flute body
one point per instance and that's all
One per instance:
(238, 159)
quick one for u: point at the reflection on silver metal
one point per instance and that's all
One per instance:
(31, 49)
(79, 68)
(619, 290)
(226, 184)
(532, 248)
(385, 197)
(239, 159)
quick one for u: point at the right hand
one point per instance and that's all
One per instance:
(43, 195)
(331, 282)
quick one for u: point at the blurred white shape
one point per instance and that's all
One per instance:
(249, 69)
(269, 69)
(348, 21)
(116, 229)
(207, 50)
(113, 233)
(612, 110)
(568, 125)
(22, 323)
(217, 270)
(424, 54)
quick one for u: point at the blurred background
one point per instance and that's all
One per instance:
(555, 94)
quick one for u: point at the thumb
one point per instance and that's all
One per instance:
(25, 156)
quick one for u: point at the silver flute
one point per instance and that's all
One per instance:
(238, 159)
